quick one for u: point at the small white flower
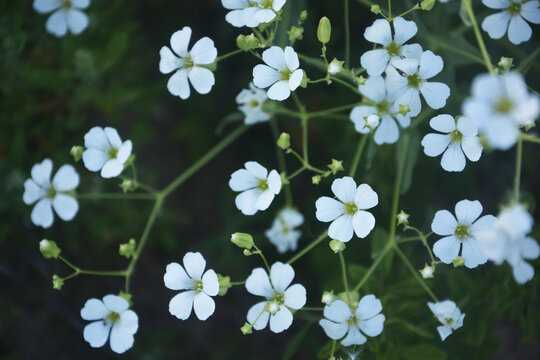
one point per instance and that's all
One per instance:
(251, 102)
(376, 61)
(411, 80)
(460, 139)
(427, 272)
(462, 231)
(511, 18)
(500, 105)
(347, 213)
(49, 195)
(280, 297)
(251, 13)
(112, 315)
(187, 64)
(200, 287)
(341, 321)
(256, 186)
(282, 233)
(449, 315)
(335, 66)
(105, 151)
(67, 15)
(281, 72)
(382, 106)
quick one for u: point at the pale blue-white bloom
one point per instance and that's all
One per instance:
(110, 316)
(250, 103)
(459, 139)
(67, 15)
(512, 19)
(199, 286)
(105, 151)
(376, 61)
(347, 213)
(49, 195)
(366, 320)
(283, 233)
(281, 297)
(251, 13)
(407, 78)
(461, 233)
(281, 72)
(188, 64)
(448, 315)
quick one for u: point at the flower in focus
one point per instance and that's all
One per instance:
(376, 61)
(251, 13)
(347, 213)
(282, 233)
(512, 19)
(67, 15)
(499, 106)
(387, 132)
(105, 151)
(199, 287)
(449, 315)
(110, 316)
(460, 139)
(366, 320)
(281, 72)
(256, 186)
(280, 297)
(251, 102)
(49, 195)
(407, 78)
(187, 64)
(461, 233)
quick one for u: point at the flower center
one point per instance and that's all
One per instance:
(263, 185)
(514, 8)
(414, 80)
(254, 103)
(188, 62)
(462, 231)
(278, 298)
(198, 286)
(353, 320)
(449, 321)
(51, 192)
(66, 4)
(112, 152)
(285, 74)
(351, 208)
(383, 107)
(456, 136)
(393, 49)
(504, 105)
(267, 4)
(113, 317)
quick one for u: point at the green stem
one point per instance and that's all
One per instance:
(77, 271)
(297, 172)
(353, 88)
(415, 273)
(373, 266)
(308, 247)
(281, 159)
(517, 175)
(530, 138)
(234, 52)
(358, 154)
(237, 283)
(333, 350)
(306, 308)
(331, 110)
(263, 258)
(397, 185)
(478, 34)
(115, 196)
(390, 9)
(344, 276)
(347, 34)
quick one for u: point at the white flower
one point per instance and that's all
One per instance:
(251, 102)
(66, 16)
(281, 72)
(112, 315)
(341, 321)
(105, 151)
(406, 79)
(251, 13)
(462, 231)
(347, 213)
(459, 138)
(199, 287)
(376, 61)
(49, 195)
(282, 233)
(511, 18)
(382, 105)
(280, 297)
(449, 315)
(499, 105)
(257, 188)
(427, 272)
(188, 64)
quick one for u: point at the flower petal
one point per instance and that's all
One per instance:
(115, 303)
(279, 91)
(129, 322)
(387, 132)
(281, 321)
(275, 58)
(365, 197)
(66, 178)
(76, 21)
(94, 309)
(257, 316)
(473, 254)
(42, 214)
(274, 182)
(435, 144)
(363, 222)
(204, 306)
(203, 51)
(112, 168)
(338, 311)
(430, 65)
(453, 158)
(94, 159)
(368, 307)
(96, 333)
(178, 84)
(180, 41)
(328, 209)
(518, 30)
(264, 76)
(41, 173)
(258, 283)
(354, 337)
(242, 180)
(167, 60)
(374, 326)
(176, 278)
(194, 264)
(296, 79)
(334, 330)
(281, 276)
(447, 248)
(121, 341)
(96, 138)
(444, 123)
(247, 200)
(496, 24)
(375, 61)
(124, 151)
(341, 229)
(66, 206)
(435, 94)
(379, 32)
(404, 30)
(202, 79)
(181, 304)
(344, 189)
(210, 283)
(444, 223)
(32, 192)
(46, 6)
(530, 11)
(374, 89)
(291, 58)
(56, 23)
(468, 211)
(295, 297)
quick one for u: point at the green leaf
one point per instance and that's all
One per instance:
(527, 62)
(423, 352)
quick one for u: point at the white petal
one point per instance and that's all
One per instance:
(444, 123)
(374, 326)
(275, 58)
(468, 211)
(258, 283)
(281, 321)
(358, 115)
(256, 169)
(264, 76)
(453, 158)
(466, 127)
(274, 182)
(412, 51)
(435, 144)
(236, 18)
(96, 333)
(246, 201)
(404, 30)
(295, 296)
(264, 200)
(96, 138)
(178, 84)
(65, 206)
(203, 52)
(129, 322)
(444, 331)
(363, 222)
(112, 137)
(338, 311)
(57, 23)
(257, 316)
(168, 61)
(66, 178)
(112, 168)
(387, 132)
(76, 20)
(368, 307)
(124, 151)
(296, 79)
(486, 222)
(379, 32)
(42, 214)
(430, 65)
(210, 283)
(518, 30)
(410, 97)
(328, 209)
(375, 61)
(264, 16)
(242, 180)
(447, 248)
(291, 58)
(502, 134)
(204, 306)
(94, 309)
(530, 11)
(341, 229)
(278, 4)
(81, 4)
(46, 6)
(32, 192)
(41, 172)
(529, 248)
(472, 147)
(281, 276)
(344, 189)
(473, 254)
(374, 89)
(496, 4)
(194, 264)
(496, 24)
(334, 330)
(354, 337)
(444, 223)
(279, 91)
(180, 41)
(176, 278)
(523, 272)
(121, 341)
(115, 303)
(94, 159)
(365, 197)
(181, 305)
(202, 79)
(435, 94)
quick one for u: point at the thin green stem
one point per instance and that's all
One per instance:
(517, 175)
(397, 185)
(308, 248)
(297, 172)
(260, 253)
(235, 283)
(331, 110)
(373, 266)
(344, 276)
(530, 138)
(347, 34)
(281, 159)
(333, 350)
(306, 308)
(352, 87)
(232, 53)
(115, 196)
(78, 271)
(390, 9)
(415, 273)
(358, 154)
(478, 34)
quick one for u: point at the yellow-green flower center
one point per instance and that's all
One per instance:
(351, 208)
(449, 321)
(285, 74)
(461, 232)
(263, 185)
(278, 298)
(456, 136)
(504, 105)
(393, 49)
(254, 103)
(51, 192)
(198, 286)
(514, 8)
(267, 4)
(188, 62)
(112, 152)
(113, 317)
(414, 80)
(383, 107)
(66, 4)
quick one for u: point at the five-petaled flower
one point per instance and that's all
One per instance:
(282, 233)
(449, 315)
(251, 102)
(67, 15)
(105, 151)
(251, 13)
(511, 18)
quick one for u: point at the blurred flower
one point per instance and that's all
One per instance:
(511, 18)
(280, 297)
(251, 13)
(105, 151)
(460, 232)
(341, 321)
(49, 195)
(281, 72)
(459, 138)
(257, 188)
(449, 315)
(66, 16)
(199, 287)
(112, 315)
(188, 64)
(347, 213)
(376, 61)
(282, 233)
(251, 101)
(406, 79)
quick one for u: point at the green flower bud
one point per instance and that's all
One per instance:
(336, 165)
(305, 80)
(242, 240)
(376, 9)
(337, 246)
(295, 33)
(57, 282)
(328, 297)
(360, 80)
(404, 109)
(284, 141)
(324, 30)
(128, 185)
(458, 262)
(127, 249)
(506, 63)
(247, 42)
(427, 271)
(427, 5)
(246, 329)
(224, 284)
(316, 179)
(402, 218)
(303, 16)
(335, 66)
(76, 152)
(247, 252)
(49, 249)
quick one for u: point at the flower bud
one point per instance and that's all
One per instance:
(247, 252)
(57, 282)
(295, 33)
(224, 284)
(316, 179)
(247, 42)
(427, 271)
(49, 249)
(360, 80)
(284, 141)
(337, 246)
(402, 218)
(242, 240)
(336, 165)
(127, 249)
(427, 5)
(303, 15)
(76, 152)
(372, 121)
(328, 297)
(246, 329)
(506, 63)
(335, 66)
(376, 9)
(128, 185)
(324, 30)
(458, 262)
